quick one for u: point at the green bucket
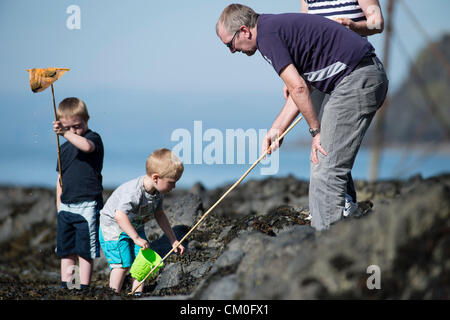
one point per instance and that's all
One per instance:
(145, 261)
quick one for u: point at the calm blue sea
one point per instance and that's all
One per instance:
(28, 145)
(38, 168)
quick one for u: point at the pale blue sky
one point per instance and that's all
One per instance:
(146, 68)
(166, 46)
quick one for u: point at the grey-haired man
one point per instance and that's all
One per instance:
(311, 51)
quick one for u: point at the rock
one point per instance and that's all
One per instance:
(184, 210)
(170, 276)
(257, 196)
(162, 246)
(6, 229)
(22, 208)
(224, 232)
(198, 269)
(232, 256)
(223, 289)
(198, 189)
(397, 237)
(257, 244)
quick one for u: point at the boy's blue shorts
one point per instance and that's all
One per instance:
(120, 253)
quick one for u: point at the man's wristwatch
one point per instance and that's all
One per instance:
(314, 132)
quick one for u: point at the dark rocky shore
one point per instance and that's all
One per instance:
(256, 244)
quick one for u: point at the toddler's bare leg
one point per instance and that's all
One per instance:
(116, 278)
(85, 270)
(67, 267)
(135, 284)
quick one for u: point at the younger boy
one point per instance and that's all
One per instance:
(129, 207)
(79, 201)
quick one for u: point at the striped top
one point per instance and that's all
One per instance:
(336, 9)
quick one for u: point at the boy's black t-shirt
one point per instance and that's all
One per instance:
(81, 171)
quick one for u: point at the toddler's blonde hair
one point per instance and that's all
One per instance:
(72, 107)
(165, 163)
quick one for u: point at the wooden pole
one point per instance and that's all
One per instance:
(218, 201)
(57, 140)
(380, 115)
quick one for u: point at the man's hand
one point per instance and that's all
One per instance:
(179, 248)
(314, 147)
(346, 22)
(59, 128)
(270, 140)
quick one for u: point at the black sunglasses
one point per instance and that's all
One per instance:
(230, 44)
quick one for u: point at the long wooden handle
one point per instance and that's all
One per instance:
(57, 140)
(218, 201)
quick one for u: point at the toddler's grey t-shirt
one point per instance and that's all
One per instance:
(132, 199)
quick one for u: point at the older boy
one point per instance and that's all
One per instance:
(129, 207)
(79, 202)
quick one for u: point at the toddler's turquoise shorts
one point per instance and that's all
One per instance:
(120, 253)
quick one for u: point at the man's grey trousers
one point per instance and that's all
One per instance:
(345, 118)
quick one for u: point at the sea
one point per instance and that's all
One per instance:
(38, 169)
(28, 145)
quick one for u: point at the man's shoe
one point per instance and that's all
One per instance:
(350, 208)
(309, 217)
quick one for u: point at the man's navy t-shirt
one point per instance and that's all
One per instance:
(323, 51)
(81, 171)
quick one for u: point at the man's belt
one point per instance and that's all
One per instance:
(366, 61)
